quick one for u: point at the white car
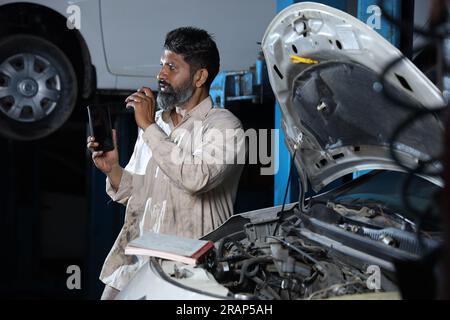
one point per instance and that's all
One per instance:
(324, 67)
(55, 52)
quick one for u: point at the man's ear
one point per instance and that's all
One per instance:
(200, 77)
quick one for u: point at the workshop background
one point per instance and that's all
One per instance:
(54, 212)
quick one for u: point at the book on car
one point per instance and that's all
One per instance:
(170, 247)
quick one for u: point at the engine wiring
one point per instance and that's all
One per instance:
(285, 267)
(304, 254)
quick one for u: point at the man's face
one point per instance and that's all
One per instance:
(174, 81)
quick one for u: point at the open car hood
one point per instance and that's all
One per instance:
(324, 67)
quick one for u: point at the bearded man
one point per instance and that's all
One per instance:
(184, 172)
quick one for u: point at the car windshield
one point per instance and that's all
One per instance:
(385, 188)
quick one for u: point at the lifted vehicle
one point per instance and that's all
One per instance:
(53, 53)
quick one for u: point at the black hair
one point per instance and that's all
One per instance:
(197, 48)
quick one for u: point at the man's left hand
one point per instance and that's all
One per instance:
(143, 102)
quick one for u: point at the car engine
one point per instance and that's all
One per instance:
(273, 259)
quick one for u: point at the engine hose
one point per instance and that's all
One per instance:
(269, 289)
(221, 247)
(249, 262)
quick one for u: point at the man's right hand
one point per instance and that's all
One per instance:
(104, 161)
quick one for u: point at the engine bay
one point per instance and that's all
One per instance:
(315, 256)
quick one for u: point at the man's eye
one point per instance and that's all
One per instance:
(171, 67)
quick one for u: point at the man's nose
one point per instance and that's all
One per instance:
(161, 75)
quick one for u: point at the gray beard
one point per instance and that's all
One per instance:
(167, 101)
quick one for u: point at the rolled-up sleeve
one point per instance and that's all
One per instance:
(124, 190)
(211, 161)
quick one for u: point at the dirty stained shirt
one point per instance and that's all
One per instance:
(180, 193)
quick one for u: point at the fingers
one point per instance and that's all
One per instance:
(96, 154)
(147, 91)
(91, 144)
(142, 94)
(130, 104)
(137, 96)
(143, 103)
(131, 99)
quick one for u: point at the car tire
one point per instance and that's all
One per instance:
(38, 87)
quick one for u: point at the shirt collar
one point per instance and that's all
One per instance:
(201, 110)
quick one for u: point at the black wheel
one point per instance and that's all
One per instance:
(38, 87)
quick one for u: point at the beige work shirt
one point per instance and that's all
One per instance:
(188, 189)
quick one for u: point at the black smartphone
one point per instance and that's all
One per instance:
(100, 126)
